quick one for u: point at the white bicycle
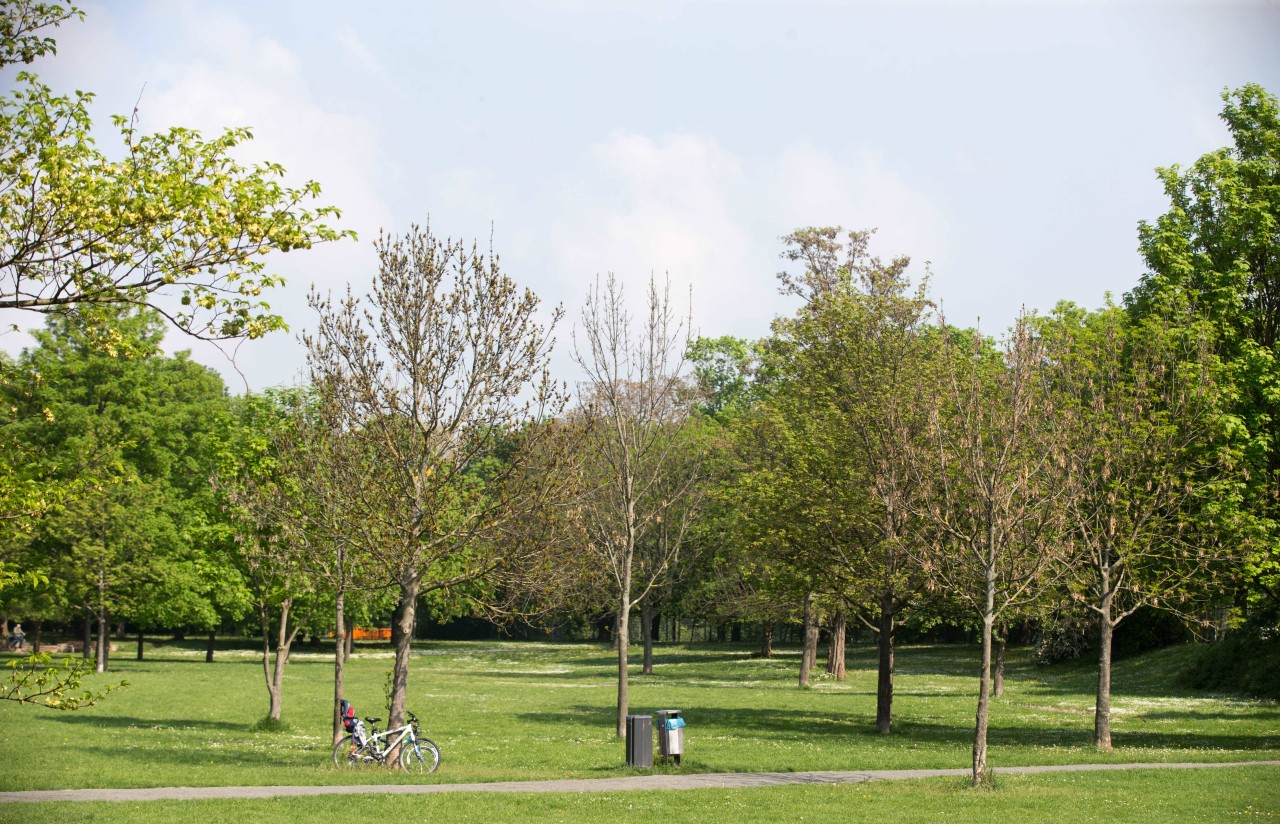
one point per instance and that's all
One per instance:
(366, 747)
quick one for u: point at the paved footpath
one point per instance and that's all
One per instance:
(695, 781)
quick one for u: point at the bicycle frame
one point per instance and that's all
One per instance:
(378, 739)
(376, 745)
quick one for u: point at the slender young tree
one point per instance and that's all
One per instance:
(640, 465)
(268, 506)
(988, 503)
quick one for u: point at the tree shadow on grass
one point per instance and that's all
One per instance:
(859, 729)
(144, 724)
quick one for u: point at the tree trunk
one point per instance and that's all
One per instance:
(104, 628)
(646, 629)
(274, 676)
(104, 642)
(735, 634)
(348, 642)
(140, 639)
(395, 627)
(722, 633)
(810, 653)
(766, 640)
(1102, 712)
(622, 636)
(884, 667)
(35, 638)
(273, 684)
(997, 681)
(86, 633)
(404, 640)
(208, 651)
(984, 681)
(339, 659)
(835, 652)
(277, 675)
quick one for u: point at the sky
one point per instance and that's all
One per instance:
(1010, 145)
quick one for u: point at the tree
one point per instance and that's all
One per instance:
(859, 386)
(444, 369)
(1140, 458)
(640, 466)
(135, 429)
(275, 491)
(987, 504)
(176, 224)
(1218, 249)
(319, 471)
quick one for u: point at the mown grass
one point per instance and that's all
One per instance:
(1137, 797)
(507, 711)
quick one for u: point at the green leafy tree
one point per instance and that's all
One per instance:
(1143, 464)
(140, 427)
(859, 384)
(269, 508)
(1218, 249)
(176, 223)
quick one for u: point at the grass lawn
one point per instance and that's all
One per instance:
(1158, 797)
(504, 711)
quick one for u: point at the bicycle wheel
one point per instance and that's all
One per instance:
(347, 754)
(424, 758)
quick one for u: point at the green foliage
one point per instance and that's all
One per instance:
(135, 434)
(39, 679)
(176, 223)
(1245, 662)
(1218, 249)
(21, 39)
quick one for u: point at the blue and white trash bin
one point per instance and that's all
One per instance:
(670, 734)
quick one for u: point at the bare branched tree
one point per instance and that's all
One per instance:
(640, 461)
(444, 369)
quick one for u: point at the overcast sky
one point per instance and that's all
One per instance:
(1012, 145)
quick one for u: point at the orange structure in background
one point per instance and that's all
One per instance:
(371, 633)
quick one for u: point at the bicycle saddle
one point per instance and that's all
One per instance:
(372, 720)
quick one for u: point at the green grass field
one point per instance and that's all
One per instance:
(503, 711)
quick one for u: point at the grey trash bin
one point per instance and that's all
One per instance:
(670, 734)
(639, 740)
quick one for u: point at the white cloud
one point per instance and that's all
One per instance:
(685, 205)
(810, 188)
(658, 206)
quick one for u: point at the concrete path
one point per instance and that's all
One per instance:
(695, 781)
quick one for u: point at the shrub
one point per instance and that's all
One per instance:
(1245, 662)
